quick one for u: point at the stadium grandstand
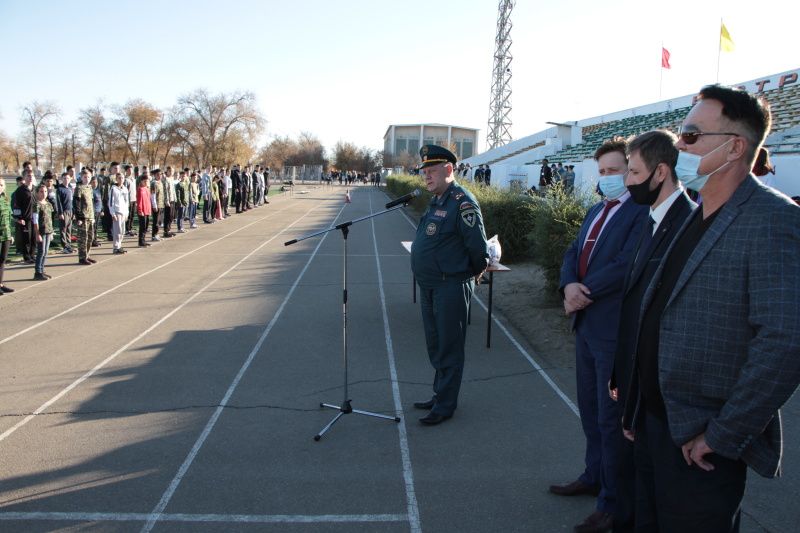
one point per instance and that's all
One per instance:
(573, 143)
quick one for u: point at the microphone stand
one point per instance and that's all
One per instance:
(346, 408)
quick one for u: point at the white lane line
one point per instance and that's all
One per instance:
(113, 356)
(112, 289)
(539, 369)
(185, 517)
(157, 512)
(521, 349)
(408, 471)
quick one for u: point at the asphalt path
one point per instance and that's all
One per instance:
(177, 389)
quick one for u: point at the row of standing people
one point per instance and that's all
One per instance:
(117, 199)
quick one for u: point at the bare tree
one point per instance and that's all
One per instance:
(279, 153)
(223, 121)
(33, 116)
(346, 156)
(310, 150)
(98, 131)
(133, 123)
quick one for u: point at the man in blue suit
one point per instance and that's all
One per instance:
(591, 283)
(651, 180)
(719, 333)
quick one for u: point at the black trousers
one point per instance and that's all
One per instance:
(156, 218)
(144, 221)
(167, 218)
(3, 256)
(673, 497)
(131, 214)
(207, 209)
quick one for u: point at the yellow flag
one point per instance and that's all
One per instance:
(725, 41)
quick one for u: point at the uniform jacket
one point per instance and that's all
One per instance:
(44, 217)
(83, 202)
(183, 189)
(6, 232)
(450, 244)
(606, 270)
(730, 332)
(157, 190)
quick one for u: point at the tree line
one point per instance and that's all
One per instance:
(202, 128)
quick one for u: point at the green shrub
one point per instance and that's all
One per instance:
(506, 213)
(557, 220)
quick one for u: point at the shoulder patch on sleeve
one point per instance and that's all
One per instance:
(466, 205)
(469, 217)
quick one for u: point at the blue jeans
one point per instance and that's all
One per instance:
(192, 213)
(41, 251)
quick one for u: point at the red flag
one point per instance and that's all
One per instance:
(664, 58)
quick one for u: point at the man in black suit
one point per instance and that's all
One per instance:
(247, 187)
(236, 180)
(651, 181)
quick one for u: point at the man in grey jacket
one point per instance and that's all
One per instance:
(719, 333)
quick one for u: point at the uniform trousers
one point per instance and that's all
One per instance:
(593, 366)
(673, 497)
(444, 317)
(85, 238)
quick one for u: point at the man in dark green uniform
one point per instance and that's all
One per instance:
(83, 208)
(448, 255)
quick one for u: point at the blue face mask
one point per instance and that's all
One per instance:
(687, 167)
(612, 186)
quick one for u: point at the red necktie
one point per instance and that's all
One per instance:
(586, 253)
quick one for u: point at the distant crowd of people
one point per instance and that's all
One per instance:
(351, 177)
(114, 198)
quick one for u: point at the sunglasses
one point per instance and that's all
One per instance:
(690, 137)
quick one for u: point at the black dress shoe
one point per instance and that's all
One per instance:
(434, 418)
(425, 405)
(574, 488)
(6, 289)
(597, 522)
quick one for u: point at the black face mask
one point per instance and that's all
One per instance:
(641, 193)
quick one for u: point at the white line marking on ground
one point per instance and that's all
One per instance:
(156, 514)
(408, 471)
(112, 289)
(538, 368)
(184, 517)
(113, 356)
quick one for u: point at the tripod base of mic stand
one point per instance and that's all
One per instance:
(346, 409)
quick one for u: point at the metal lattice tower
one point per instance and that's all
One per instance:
(499, 130)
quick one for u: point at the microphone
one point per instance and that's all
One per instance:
(403, 199)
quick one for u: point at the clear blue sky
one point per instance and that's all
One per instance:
(347, 69)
